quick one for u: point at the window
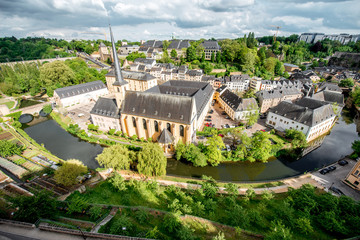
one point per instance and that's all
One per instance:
(356, 183)
(356, 172)
(181, 130)
(168, 126)
(156, 125)
(144, 124)
(134, 122)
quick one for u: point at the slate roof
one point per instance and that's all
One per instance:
(106, 107)
(237, 103)
(102, 44)
(330, 97)
(83, 88)
(210, 45)
(172, 100)
(143, 76)
(153, 43)
(145, 61)
(307, 111)
(194, 72)
(277, 93)
(179, 44)
(166, 137)
(329, 87)
(158, 106)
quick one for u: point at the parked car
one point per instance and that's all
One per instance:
(221, 135)
(343, 162)
(208, 116)
(201, 137)
(324, 171)
(223, 113)
(227, 126)
(331, 168)
(227, 117)
(211, 111)
(228, 148)
(262, 116)
(336, 190)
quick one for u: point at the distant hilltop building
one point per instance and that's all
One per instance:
(343, 38)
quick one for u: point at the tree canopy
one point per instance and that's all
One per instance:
(117, 157)
(8, 148)
(67, 174)
(151, 160)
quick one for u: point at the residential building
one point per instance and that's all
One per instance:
(238, 83)
(106, 114)
(329, 87)
(137, 81)
(210, 47)
(149, 63)
(272, 98)
(237, 108)
(343, 38)
(194, 75)
(331, 97)
(81, 93)
(353, 178)
(179, 107)
(312, 117)
(179, 46)
(105, 53)
(127, 49)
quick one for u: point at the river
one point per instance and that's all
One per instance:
(333, 147)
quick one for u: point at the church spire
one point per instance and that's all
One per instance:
(118, 75)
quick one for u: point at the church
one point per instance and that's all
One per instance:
(167, 113)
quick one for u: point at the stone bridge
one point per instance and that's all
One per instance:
(11, 64)
(31, 109)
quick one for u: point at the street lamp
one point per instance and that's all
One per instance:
(81, 232)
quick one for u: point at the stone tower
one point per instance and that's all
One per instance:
(119, 85)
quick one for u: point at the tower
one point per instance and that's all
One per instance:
(120, 85)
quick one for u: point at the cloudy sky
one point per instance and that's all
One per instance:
(187, 19)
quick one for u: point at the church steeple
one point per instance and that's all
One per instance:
(119, 79)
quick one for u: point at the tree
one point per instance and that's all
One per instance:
(191, 153)
(249, 94)
(69, 171)
(252, 118)
(298, 138)
(116, 156)
(118, 182)
(191, 54)
(134, 55)
(356, 146)
(47, 108)
(56, 74)
(213, 150)
(31, 208)
(173, 53)
(152, 161)
(348, 82)
(260, 147)
(8, 148)
(212, 57)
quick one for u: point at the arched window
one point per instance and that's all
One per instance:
(168, 126)
(181, 130)
(144, 124)
(156, 125)
(134, 122)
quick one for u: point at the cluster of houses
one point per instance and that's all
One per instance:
(169, 103)
(135, 102)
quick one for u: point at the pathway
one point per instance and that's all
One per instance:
(295, 182)
(105, 220)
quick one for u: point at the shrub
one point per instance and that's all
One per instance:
(111, 131)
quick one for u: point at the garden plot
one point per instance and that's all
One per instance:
(25, 163)
(13, 168)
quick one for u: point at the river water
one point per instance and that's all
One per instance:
(333, 147)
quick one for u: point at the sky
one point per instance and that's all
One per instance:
(185, 19)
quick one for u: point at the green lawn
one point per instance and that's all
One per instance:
(328, 218)
(9, 104)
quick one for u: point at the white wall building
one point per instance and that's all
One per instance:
(312, 117)
(81, 93)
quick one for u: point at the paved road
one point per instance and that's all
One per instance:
(335, 178)
(11, 236)
(21, 233)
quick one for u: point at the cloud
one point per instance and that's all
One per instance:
(139, 19)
